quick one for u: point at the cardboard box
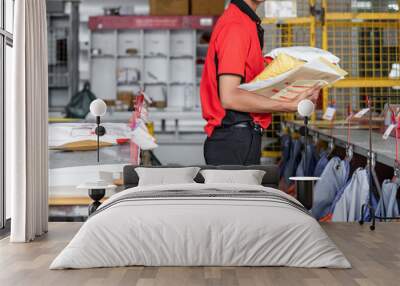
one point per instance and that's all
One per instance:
(207, 7)
(126, 97)
(169, 7)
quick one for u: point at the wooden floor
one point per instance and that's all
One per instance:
(375, 257)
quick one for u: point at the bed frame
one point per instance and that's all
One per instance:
(270, 179)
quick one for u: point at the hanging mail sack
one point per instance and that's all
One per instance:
(355, 196)
(286, 142)
(388, 206)
(321, 164)
(333, 178)
(307, 168)
(294, 160)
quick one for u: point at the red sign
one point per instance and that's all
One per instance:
(151, 22)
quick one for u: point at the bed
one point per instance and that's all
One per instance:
(198, 224)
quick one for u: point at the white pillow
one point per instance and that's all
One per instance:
(248, 177)
(166, 176)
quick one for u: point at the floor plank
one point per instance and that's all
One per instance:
(375, 257)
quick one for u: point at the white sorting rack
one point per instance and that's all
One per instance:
(157, 54)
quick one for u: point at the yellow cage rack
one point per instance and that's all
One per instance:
(364, 34)
(299, 31)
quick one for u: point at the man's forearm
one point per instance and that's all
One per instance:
(245, 101)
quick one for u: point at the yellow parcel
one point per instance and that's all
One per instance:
(281, 64)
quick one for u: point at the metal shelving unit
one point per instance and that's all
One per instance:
(157, 54)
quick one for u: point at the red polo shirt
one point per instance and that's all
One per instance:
(234, 49)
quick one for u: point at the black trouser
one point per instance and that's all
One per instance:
(233, 146)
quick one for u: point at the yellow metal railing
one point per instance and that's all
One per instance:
(369, 82)
(336, 16)
(287, 21)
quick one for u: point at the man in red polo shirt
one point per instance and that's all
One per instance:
(235, 117)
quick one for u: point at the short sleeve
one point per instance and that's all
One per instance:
(232, 49)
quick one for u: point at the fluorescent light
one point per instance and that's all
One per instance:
(362, 5)
(393, 7)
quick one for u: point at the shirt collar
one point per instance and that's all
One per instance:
(247, 10)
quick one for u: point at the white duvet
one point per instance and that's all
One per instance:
(200, 232)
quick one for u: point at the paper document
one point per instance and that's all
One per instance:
(389, 131)
(329, 113)
(361, 113)
(290, 84)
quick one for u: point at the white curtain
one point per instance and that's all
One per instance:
(26, 127)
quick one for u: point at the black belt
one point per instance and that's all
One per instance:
(252, 125)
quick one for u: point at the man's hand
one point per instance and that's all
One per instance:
(241, 100)
(314, 94)
(311, 94)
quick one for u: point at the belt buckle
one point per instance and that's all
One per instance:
(258, 128)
